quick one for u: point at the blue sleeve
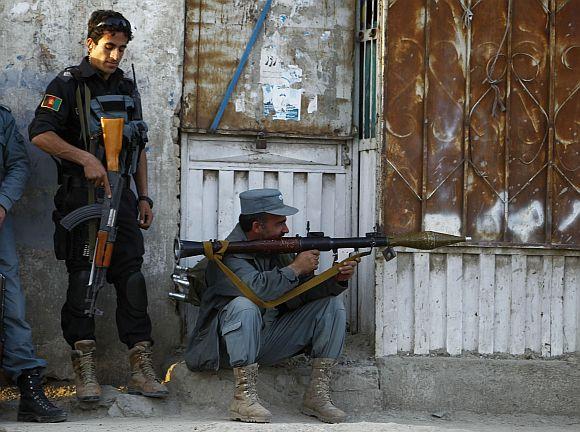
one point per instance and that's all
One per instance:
(15, 162)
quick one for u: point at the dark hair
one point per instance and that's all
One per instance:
(246, 221)
(102, 21)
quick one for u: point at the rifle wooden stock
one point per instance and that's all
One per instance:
(113, 139)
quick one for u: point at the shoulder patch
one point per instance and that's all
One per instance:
(51, 102)
(5, 108)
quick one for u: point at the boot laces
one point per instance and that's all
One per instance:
(322, 385)
(87, 367)
(146, 363)
(33, 391)
(249, 380)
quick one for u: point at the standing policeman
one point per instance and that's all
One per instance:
(19, 361)
(66, 125)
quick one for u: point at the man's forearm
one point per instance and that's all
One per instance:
(140, 176)
(54, 145)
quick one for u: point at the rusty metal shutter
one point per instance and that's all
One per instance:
(304, 58)
(482, 112)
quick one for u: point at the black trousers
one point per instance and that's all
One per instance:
(133, 322)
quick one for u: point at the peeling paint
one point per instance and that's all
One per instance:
(296, 5)
(20, 8)
(313, 104)
(240, 103)
(489, 223)
(445, 223)
(525, 222)
(274, 71)
(571, 219)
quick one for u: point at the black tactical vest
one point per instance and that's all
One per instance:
(134, 131)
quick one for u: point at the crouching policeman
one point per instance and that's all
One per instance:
(232, 330)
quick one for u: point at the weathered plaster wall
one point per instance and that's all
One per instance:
(37, 40)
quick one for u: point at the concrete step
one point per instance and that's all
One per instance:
(440, 385)
(354, 386)
(481, 385)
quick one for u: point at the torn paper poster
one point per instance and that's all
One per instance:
(241, 103)
(273, 71)
(282, 103)
(313, 104)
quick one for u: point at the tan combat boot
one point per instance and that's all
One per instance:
(317, 402)
(246, 405)
(143, 379)
(83, 360)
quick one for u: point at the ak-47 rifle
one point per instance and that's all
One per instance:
(214, 250)
(2, 297)
(107, 211)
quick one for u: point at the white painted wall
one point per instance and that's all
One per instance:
(463, 300)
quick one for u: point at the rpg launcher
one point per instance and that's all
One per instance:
(107, 211)
(425, 240)
(214, 250)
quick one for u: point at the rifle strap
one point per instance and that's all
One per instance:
(217, 257)
(84, 109)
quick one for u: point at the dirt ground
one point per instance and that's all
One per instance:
(393, 421)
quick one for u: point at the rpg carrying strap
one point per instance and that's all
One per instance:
(218, 256)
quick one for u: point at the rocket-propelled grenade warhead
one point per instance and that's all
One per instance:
(425, 240)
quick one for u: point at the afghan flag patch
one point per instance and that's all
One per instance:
(51, 102)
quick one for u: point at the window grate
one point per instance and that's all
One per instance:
(367, 40)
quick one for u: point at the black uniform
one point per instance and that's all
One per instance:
(58, 112)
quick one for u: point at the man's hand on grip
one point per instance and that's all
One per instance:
(305, 262)
(96, 173)
(347, 270)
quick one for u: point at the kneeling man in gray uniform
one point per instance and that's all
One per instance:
(233, 330)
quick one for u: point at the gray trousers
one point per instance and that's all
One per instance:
(250, 337)
(18, 349)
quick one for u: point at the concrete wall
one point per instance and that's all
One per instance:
(37, 40)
